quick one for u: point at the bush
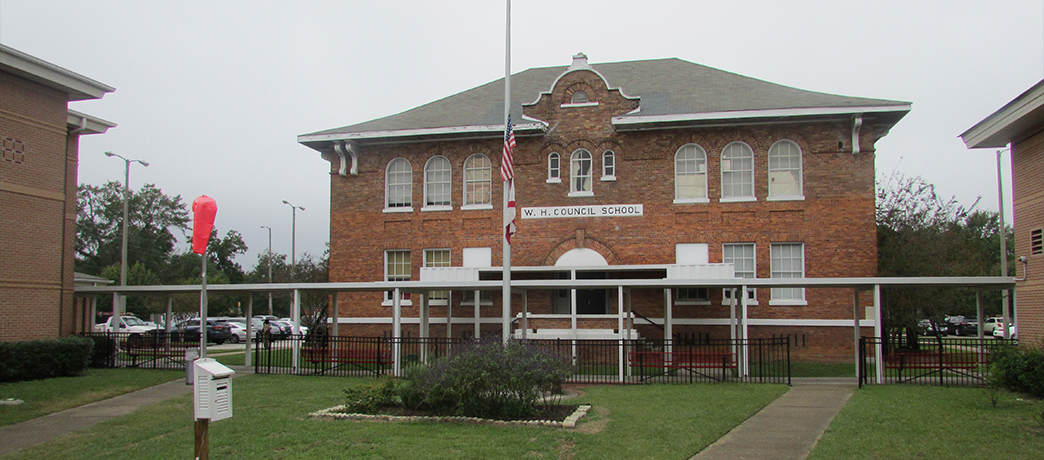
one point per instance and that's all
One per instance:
(103, 354)
(368, 399)
(40, 359)
(1019, 369)
(485, 379)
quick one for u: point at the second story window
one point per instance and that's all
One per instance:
(478, 186)
(737, 172)
(554, 168)
(784, 170)
(690, 174)
(609, 166)
(437, 175)
(580, 174)
(398, 179)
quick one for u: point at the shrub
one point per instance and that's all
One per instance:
(369, 398)
(40, 359)
(485, 379)
(103, 354)
(1019, 369)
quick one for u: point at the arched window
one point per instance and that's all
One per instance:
(580, 97)
(580, 174)
(784, 170)
(554, 168)
(608, 165)
(737, 172)
(478, 185)
(690, 174)
(437, 175)
(398, 180)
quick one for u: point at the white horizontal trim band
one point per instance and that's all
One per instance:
(739, 114)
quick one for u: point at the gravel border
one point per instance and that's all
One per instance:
(569, 422)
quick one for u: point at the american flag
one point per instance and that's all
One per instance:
(507, 172)
(507, 167)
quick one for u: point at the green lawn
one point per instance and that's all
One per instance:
(906, 421)
(271, 421)
(42, 397)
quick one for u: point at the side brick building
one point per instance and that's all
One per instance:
(38, 194)
(1019, 125)
(625, 170)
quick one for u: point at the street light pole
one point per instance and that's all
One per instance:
(293, 238)
(269, 267)
(123, 258)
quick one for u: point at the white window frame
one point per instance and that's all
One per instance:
(389, 255)
(554, 168)
(777, 156)
(741, 269)
(695, 167)
(608, 166)
(397, 180)
(444, 182)
(733, 177)
(439, 257)
(783, 266)
(470, 183)
(576, 175)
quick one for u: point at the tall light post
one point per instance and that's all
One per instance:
(123, 258)
(293, 239)
(269, 266)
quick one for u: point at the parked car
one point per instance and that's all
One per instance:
(963, 325)
(127, 323)
(1012, 333)
(302, 328)
(238, 330)
(217, 332)
(928, 329)
(285, 330)
(991, 324)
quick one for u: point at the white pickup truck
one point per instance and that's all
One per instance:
(127, 324)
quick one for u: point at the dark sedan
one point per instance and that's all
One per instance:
(217, 332)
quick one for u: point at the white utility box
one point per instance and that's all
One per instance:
(212, 398)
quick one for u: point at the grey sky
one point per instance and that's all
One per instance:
(214, 93)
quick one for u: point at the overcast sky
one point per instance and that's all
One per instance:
(214, 93)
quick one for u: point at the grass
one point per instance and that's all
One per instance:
(270, 421)
(906, 421)
(811, 369)
(42, 397)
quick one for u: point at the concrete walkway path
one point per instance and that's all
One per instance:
(789, 427)
(29, 433)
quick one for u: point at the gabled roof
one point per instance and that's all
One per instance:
(671, 91)
(1022, 114)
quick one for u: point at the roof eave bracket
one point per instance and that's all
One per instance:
(857, 123)
(344, 150)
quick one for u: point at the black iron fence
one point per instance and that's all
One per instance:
(592, 361)
(942, 361)
(152, 350)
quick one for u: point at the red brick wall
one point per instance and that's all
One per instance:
(835, 221)
(37, 200)
(1027, 167)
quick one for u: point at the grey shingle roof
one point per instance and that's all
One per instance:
(666, 87)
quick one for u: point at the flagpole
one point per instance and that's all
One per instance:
(506, 312)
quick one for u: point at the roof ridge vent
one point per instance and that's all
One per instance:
(579, 62)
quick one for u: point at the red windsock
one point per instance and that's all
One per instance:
(203, 211)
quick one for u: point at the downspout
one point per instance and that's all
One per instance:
(65, 193)
(344, 150)
(857, 123)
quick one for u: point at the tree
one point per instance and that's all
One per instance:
(922, 234)
(153, 217)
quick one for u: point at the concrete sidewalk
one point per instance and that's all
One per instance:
(789, 427)
(14, 438)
